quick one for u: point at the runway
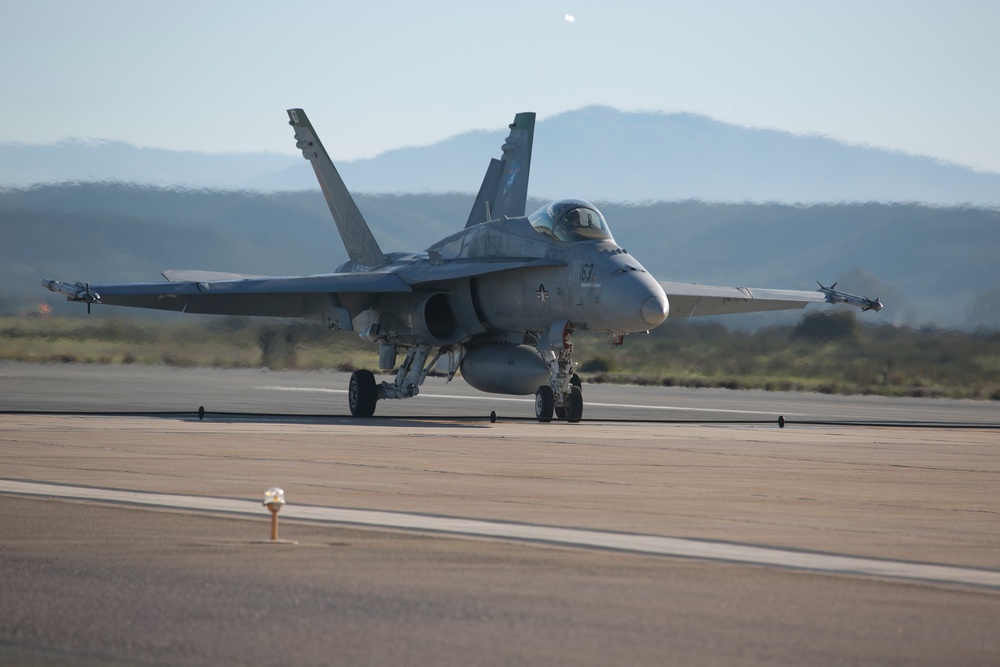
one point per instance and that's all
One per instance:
(458, 541)
(639, 544)
(82, 388)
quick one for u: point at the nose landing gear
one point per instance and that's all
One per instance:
(571, 408)
(563, 395)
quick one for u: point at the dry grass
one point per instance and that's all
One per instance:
(884, 360)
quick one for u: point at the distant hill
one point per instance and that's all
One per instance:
(593, 153)
(930, 265)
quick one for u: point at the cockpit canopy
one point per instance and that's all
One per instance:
(571, 220)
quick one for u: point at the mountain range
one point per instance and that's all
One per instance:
(931, 265)
(594, 153)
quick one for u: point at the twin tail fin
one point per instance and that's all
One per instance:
(362, 248)
(504, 191)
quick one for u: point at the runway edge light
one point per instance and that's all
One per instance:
(274, 499)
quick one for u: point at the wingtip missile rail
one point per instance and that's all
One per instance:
(79, 292)
(834, 295)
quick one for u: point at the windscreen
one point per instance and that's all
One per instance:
(571, 220)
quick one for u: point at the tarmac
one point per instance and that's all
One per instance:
(93, 577)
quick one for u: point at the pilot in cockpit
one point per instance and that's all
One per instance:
(573, 221)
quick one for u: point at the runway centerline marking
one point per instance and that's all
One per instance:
(325, 390)
(534, 534)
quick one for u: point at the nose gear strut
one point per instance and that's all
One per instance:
(563, 395)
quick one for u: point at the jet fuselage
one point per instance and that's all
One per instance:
(594, 285)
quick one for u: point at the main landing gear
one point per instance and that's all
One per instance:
(363, 392)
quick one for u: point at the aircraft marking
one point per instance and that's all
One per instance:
(516, 167)
(542, 294)
(654, 545)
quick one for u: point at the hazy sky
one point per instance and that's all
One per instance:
(217, 76)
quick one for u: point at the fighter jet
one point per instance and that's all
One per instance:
(498, 300)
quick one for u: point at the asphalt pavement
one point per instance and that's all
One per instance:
(457, 563)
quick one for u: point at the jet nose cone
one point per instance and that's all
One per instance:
(633, 301)
(654, 310)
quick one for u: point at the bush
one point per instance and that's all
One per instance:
(598, 365)
(827, 327)
(278, 346)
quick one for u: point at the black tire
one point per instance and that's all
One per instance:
(574, 381)
(574, 405)
(362, 394)
(544, 403)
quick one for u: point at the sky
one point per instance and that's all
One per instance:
(217, 75)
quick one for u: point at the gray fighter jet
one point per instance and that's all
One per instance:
(498, 300)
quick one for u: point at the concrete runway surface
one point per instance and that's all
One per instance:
(118, 579)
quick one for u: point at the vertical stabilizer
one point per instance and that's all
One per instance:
(504, 191)
(362, 248)
(482, 210)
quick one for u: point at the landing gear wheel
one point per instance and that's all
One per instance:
(544, 403)
(574, 405)
(362, 394)
(564, 412)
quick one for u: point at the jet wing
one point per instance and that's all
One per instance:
(300, 296)
(435, 272)
(692, 299)
(188, 276)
